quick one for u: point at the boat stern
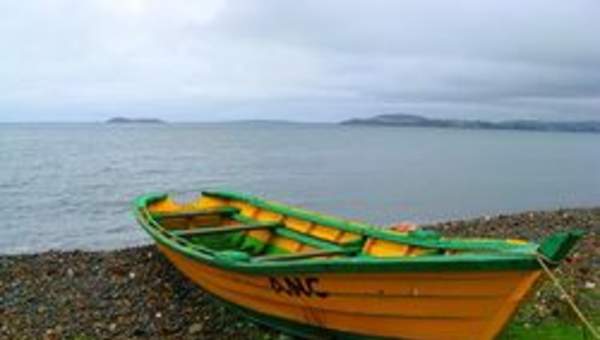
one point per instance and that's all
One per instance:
(557, 246)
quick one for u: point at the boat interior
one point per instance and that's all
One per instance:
(261, 231)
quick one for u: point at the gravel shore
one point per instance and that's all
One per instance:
(136, 293)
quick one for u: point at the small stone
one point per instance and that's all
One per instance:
(70, 272)
(132, 275)
(112, 327)
(158, 315)
(195, 328)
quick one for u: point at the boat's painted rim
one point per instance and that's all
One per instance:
(501, 260)
(379, 232)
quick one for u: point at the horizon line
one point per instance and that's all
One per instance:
(267, 120)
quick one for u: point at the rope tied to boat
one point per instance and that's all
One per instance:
(542, 260)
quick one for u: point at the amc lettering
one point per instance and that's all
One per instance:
(297, 286)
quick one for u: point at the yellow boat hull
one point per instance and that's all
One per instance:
(444, 305)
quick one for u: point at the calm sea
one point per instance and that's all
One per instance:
(67, 186)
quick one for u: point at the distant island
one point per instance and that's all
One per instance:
(410, 120)
(124, 120)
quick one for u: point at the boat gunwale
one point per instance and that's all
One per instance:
(370, 230)
(496, 261)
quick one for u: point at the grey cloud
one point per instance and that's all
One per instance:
(304, 60)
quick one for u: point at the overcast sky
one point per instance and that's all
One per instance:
(204, 60)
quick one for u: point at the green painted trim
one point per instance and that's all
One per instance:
(359, 264)
(556, 246)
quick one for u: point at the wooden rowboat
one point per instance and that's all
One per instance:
(315, 275)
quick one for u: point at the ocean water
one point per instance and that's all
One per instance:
(70, 186)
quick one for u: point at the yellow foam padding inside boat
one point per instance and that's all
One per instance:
(324, 233)
(286, 244)
(166, 205)
(256, 240)
(311, 229)
(169, 205)
(245, 209)
(262, 238)
(298, 225)
(267, 216)
(346, 238)
(332, 234)
(382, 248)
(207, 203)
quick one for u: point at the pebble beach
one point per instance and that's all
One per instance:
(136, 293)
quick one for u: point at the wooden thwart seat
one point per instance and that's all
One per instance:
(225, 229)
(304, 255)
(196, 213)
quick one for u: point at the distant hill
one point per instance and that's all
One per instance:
(124, 120)
(410, 120)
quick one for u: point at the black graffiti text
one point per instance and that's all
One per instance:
(297, 286)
